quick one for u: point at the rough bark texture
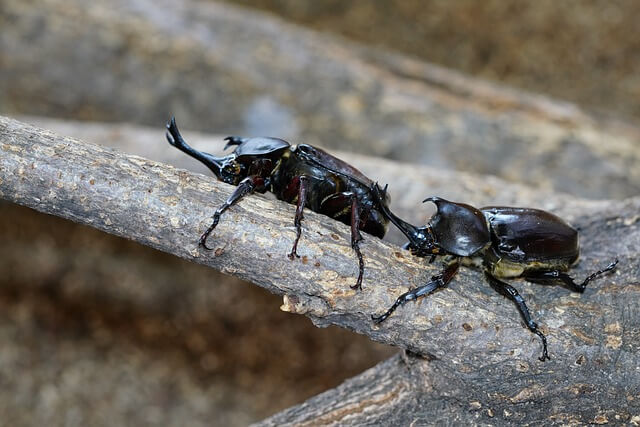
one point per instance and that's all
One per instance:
(230, 70)
(477, 362)
(406, 390)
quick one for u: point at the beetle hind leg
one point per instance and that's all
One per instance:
(510, 292)
(356, 238)
(345, 207)
(303, 182)
(562, 278)
(439, 281)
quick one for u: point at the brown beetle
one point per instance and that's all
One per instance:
(505, 242)
(302, 175)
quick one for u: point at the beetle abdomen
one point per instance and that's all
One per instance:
(320, 157)
(525, 234)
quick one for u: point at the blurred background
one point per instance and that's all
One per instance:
(583, 51)
(98, 330)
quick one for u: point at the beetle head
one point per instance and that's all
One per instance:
(231, 170)
(421, 241)
(252, 156)
(226, 168)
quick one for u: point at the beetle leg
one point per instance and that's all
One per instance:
(342, 207)
(510, 292)
(439, 281)
(246, 186)
(302, 199)
(356, 237)
(564, 278)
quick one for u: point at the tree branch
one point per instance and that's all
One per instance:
(407, 390)
(165, 208)
(475, 335)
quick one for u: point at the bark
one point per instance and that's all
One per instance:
(228, 69)
(476, 359)
(406, 390)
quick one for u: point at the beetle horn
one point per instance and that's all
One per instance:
(417, 236)
(175, 138)
(433, 199)
(233, 140)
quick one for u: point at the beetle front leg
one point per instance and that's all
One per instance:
(510, 292)
(437, 282)
(303, 182)
(556, 276)
(246, 186)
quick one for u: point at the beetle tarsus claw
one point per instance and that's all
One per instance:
(378, 319)
(545, 354)
(203, 239)
(356, 248)
(203, 243)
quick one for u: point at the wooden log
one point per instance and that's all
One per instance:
(478, 352)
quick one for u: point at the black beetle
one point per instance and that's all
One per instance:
(302, 174)
(505, 242)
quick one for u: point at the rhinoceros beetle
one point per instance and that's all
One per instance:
(506, 242)
(302, 175)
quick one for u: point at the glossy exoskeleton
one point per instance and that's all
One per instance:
(505, 242)
(302, 175)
